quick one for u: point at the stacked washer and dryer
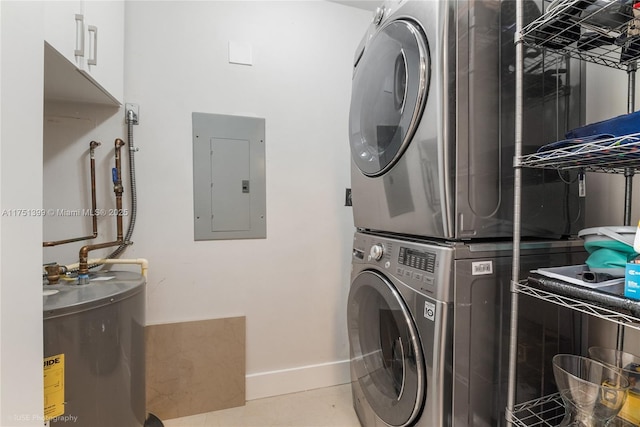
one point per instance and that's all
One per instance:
(431, 135)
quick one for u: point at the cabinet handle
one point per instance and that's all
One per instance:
(93, 60)
(79, 50)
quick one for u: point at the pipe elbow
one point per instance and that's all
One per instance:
(84, 252)
(83, 265)
(144, 266)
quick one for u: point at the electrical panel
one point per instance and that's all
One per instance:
(229, 190)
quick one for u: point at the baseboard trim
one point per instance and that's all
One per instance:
(274, 383)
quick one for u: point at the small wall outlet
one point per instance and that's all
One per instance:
(347, 197)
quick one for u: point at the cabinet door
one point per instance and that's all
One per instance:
(64, 29)
(104, 46)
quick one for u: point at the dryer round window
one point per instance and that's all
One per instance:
(388, 96)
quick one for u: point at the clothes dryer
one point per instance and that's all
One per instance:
(428, 326)
(431, 124)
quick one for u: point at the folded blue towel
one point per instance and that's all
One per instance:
(625, 124)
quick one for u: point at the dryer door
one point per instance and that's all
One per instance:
(390, 86)
(385, 350)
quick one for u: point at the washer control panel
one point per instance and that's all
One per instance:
(424, 267)
(417, 266)
(421, 260)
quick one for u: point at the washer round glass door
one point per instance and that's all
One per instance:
(389, 90)
(385, 350)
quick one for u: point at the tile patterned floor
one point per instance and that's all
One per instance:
(325, 407)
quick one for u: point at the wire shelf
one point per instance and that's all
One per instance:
(547, 411)
(604, 33)
(612, 155)
(601, 32)
(580, 305)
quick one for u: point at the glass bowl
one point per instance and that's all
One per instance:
(593, 393)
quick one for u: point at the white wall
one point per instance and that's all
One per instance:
(21, 79)
(292, 286)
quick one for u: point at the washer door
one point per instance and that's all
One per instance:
(389, 91)
(385, 350)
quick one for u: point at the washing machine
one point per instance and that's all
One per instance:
(431, 123)
(428, 326)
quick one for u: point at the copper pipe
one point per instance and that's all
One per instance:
(117, 188)
(83, 269)
(94, 218)
(94, 204)
(84, 254)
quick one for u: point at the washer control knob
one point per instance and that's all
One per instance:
(376, 252)
(378, 15)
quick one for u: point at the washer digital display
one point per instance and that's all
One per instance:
(425, 261)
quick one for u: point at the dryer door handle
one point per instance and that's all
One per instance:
(400, 81)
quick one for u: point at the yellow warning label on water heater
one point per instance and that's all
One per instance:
(53, 386)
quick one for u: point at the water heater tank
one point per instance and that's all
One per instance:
(94, 362)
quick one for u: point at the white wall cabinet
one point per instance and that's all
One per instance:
(61, 28)
(90, 35)
(104, 48)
